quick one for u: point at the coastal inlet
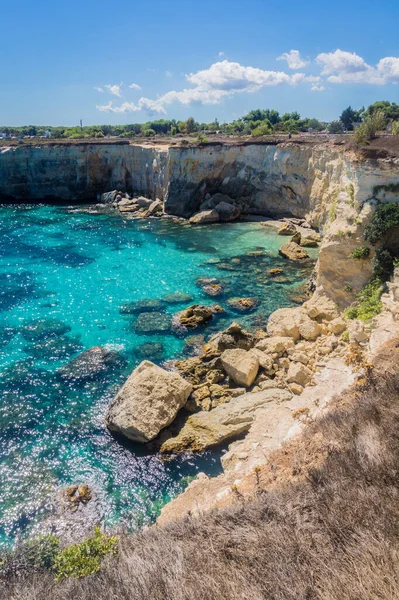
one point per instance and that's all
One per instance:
(74, 281)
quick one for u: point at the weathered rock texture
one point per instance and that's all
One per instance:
(148, 402)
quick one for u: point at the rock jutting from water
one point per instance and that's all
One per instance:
(149, 401)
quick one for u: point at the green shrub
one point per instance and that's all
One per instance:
(395, 128)
(383, 264)
(149, 132)
(371, 125)
(384, 218)
(263, 129)
(85, 558)
(335, 127)
(360, 253)
(368, 302)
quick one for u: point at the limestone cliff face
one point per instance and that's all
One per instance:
(332, 188)
(80, 172)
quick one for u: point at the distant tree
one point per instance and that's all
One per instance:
(373, 123)
(191, 125)
(336, 127)
(350, 116)
(314, 124)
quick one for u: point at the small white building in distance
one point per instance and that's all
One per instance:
(47, 134)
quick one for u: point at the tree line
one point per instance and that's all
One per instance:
(257, 122)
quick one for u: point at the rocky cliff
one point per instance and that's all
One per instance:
(332, 187)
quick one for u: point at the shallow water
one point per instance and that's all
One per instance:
(74, 271)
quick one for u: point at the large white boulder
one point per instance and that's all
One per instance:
(293, 323)
(149, 401)
(241, 365)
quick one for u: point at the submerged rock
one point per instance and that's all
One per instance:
(55, 348)
(153, 322)
(243, 304)
(140, 306)
(89, 364)
(148, 402)
(42, 329)
(177, 298)
(225, 422)
(293, 251)
(195, 315)
(151, 350)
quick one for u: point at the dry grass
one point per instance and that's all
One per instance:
(332, 534)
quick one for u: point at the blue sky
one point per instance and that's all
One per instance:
(201, 58)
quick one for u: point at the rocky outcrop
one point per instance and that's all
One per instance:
(206, 429)
(89, 364)
(293, 251)
(195, 315)
(149, 401)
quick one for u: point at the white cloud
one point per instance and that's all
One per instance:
(168, 73)
(294, 59)
(99, 89)
(134, 86)
(221, 80)
(317, 88)
(389, 69)
(115, 90)
(349, 67)
(226, 75)
(341, 62)
(124, 108)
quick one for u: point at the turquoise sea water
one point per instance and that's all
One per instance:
(64, 278)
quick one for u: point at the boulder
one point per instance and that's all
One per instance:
(153, 322)
(225, 422)
(212, 289)
(154, 207)
(287, 229)
(308, 329)
(321, 308)
(265, 360)
(296, 238)
(275, 344)
(130, 206)
(337, 325)
(89, 364)
(299, 373)
(144, 202)
(149, 401)
(307, 242)
(293, 323)
(205, 216)
(241, 365)
(108, 197)
(195, 315)
(227, 212)
(243, 304)
(293, 251)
